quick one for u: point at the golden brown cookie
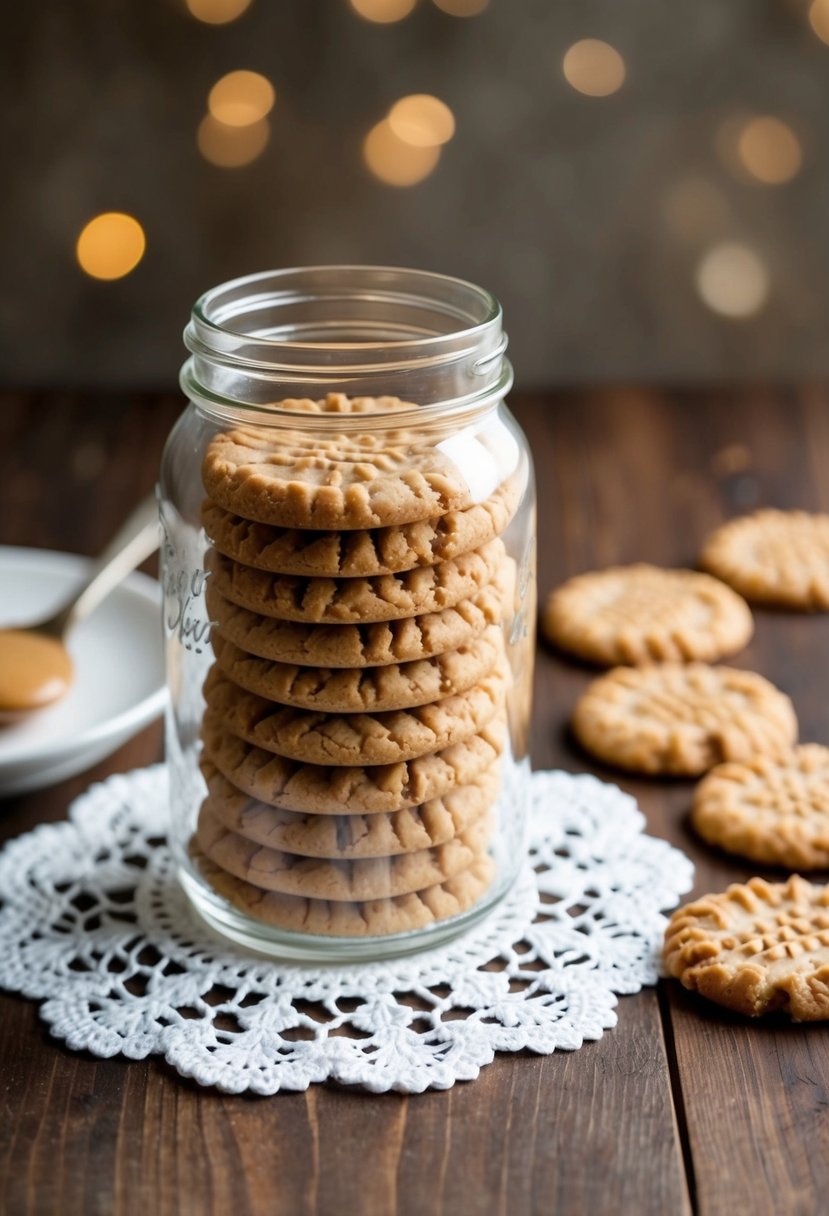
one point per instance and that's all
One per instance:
(774, 557)
(350, 837)
(356, 600)
(640, 614)
(682, 718)
(325, 790)
(372, 478)
(756, 948)
(339, 919)
(770, 809)
(360, 553)
(372, 645)
(324, 878)
(354, 739)
(363, 689)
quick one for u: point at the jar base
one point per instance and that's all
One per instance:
(223, 919)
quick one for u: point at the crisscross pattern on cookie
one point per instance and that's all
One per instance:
(779, 557)
(639, 614)
(683, 718)
(774, 810)
(757, 947)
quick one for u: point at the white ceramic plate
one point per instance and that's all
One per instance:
(119, 669)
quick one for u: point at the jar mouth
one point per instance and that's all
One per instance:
(362, 330)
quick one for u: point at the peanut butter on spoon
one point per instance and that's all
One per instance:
(35, 670)
(35, 667)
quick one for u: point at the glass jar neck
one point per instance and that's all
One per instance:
(435, 341)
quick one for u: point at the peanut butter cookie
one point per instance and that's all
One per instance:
(773, 810)
(356, 600)
(756, 948)
(354, 739)
(340, 919)
(372, 645)
(774, 557)
(306, 479)
(325, 790)
(323, 878)
(361, 553)
(641, 614)
(363, 689)
(350, 837)
(683, 718)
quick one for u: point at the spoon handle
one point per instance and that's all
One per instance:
(132, 544)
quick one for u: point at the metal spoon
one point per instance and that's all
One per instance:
(35, 667)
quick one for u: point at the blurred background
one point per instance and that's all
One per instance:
(644, 184)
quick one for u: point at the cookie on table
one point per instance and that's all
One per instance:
(351, 480)
(756, 948)
(773, 810)
(292, 785)
(363, 689)
(331, 601)
(682, 718)
(361, 553)
(774, 557)
(324, 878)
(373, 645)
(354, 739)
(351, 836)
(342, 919)
(642, 614)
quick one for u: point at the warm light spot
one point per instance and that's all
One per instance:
(769, 150)
(231, 147)
(422, 120)
(111, 245)
(594, 67)
(217, 12)
(462, 8)
(394, 161)
(695, 208)
(384, 12)
(732, 280)
(819, 19)
(241, 98)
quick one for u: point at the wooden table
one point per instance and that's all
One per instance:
(681, 1108)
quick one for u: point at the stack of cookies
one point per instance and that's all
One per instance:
(355, 711)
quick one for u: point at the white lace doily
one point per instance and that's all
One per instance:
(95, 924)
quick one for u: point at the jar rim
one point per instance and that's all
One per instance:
(362, 330)
(216, 306)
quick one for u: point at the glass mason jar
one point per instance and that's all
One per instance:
(348, 565)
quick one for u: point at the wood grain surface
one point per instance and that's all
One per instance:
(680, 1108)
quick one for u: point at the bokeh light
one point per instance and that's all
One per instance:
(819, 19)
(594, 68)
(217, 12)
(231, 147)
(241, 98)
(732, 280)
(769, 150)
(395, 162)
(422, 120)
(383, 12)
(462, 8)
(110, 245)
